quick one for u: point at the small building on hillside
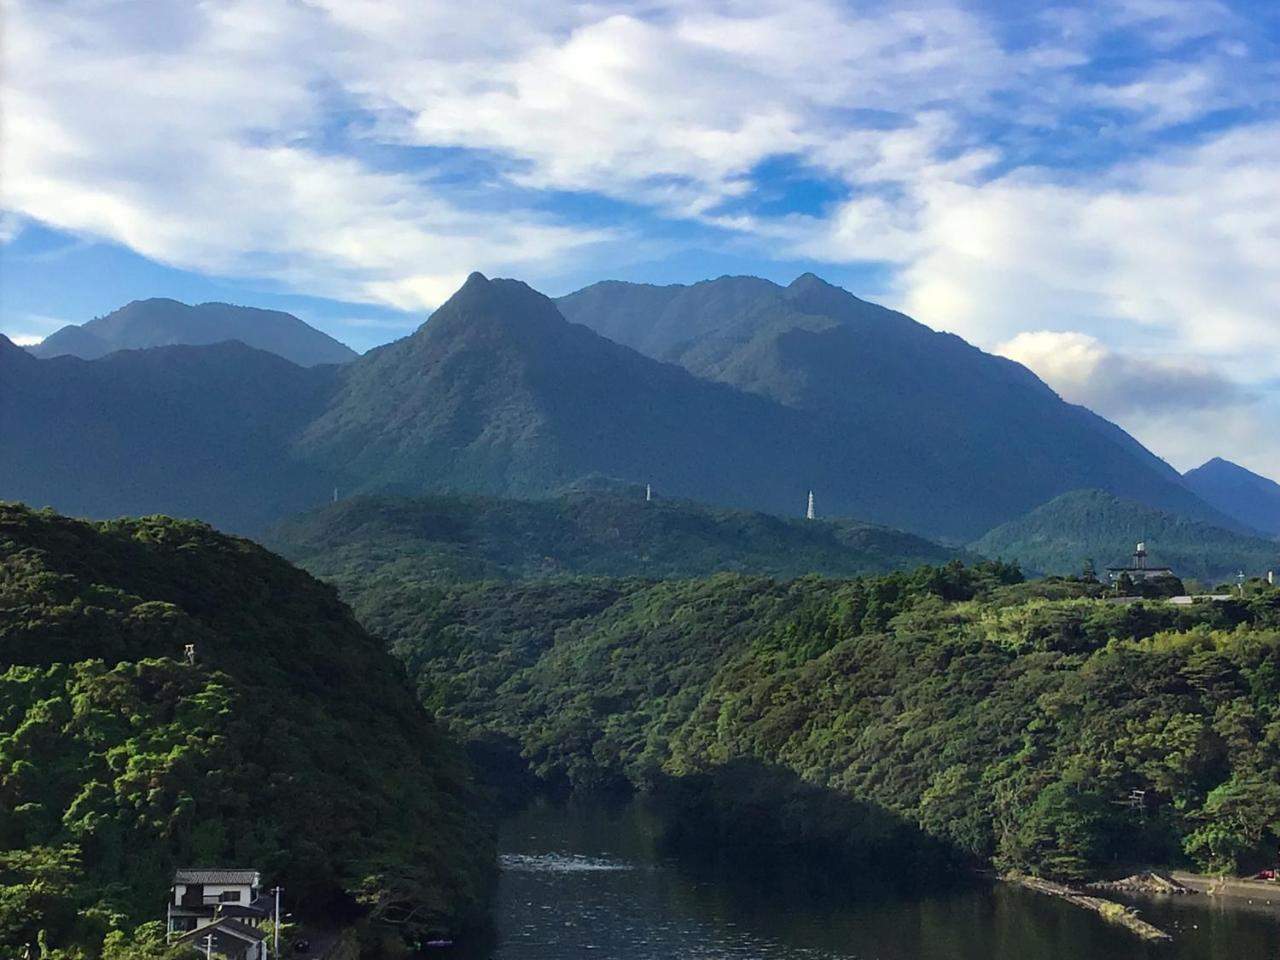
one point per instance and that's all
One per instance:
(225, 904)
(1139, 572)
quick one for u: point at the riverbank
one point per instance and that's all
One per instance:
(1266, 892)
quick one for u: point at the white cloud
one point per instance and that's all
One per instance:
(277, 140)
(1084, 370)
(204, 153)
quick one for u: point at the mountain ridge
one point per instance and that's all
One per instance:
(160, 322)
(1238, 492)
(890, 383)
(582, 534)
(499, 394)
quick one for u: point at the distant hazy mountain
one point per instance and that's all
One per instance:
(479, 538)
(971, 439)
(1089, 524)
(1252, 499)
(162, 323)
(189, 431)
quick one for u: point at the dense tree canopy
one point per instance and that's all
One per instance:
(1012, 721)
(291, 743)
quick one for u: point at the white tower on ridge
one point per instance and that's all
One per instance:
(809, 513)
(648, 492)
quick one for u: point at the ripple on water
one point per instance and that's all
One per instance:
(561, 863)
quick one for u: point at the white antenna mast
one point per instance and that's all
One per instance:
(809, 513)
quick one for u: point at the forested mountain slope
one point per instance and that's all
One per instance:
(1008, 721)
(159, 322)
(597, 534)
(790, 390)
(497, 394)
(1059, 537)
(291, 744)
(912, 406)
(1249, 498)
(186, 431)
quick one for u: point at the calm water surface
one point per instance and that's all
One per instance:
(584, 881)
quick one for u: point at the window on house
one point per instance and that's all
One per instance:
(229, 896)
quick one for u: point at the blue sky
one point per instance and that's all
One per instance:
(1090, 188)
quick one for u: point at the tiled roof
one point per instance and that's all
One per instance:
(230, 877)
(224, 927)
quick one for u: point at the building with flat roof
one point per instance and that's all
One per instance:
(1140, 571)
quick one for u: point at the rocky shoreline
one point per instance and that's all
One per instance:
(1109, 910)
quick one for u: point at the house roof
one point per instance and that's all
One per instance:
(224, 927)
(231, 877)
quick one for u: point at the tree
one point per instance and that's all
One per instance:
(1242, 820)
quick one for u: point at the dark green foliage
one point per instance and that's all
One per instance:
(477, 538)
(292, 744)
(1060, 536)
(161, 323)
(1009, 721)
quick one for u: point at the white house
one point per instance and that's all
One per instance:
(224, 904)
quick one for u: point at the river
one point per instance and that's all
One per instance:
(585, 881)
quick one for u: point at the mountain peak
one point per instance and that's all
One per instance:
(489, 309)
(1238, 492)
(810, 280)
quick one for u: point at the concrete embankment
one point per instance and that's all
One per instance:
(1259, 891)
(1109, 910)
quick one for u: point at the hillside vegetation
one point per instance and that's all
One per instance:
(291, 744)
(1059, 537)
(1007, 722)
(480, 538)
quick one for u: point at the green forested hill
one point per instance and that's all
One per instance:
(477, 538)
(1006, 721)
(292, 744)
(1060, 536)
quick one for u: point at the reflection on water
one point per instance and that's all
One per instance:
(583, 881)
(559, 863)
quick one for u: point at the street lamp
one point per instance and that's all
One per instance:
(275, 947)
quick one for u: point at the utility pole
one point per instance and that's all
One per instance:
(208, 947)
(275, 946)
